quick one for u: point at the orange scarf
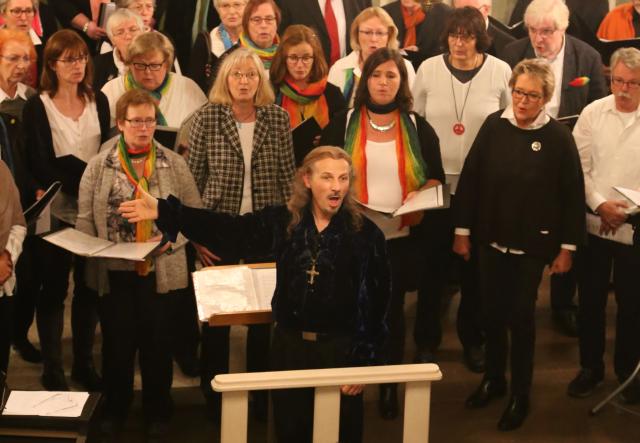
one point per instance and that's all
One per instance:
(302, 104)
(411, 21)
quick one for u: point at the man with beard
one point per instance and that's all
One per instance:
(333, 280)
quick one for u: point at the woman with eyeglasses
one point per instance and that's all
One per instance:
(66, 124)
(299, 75)
(395, 154)
(136, 296)
(241, 156)
(209, 46)
(521, 198)
(144, 8)
(372, 29)
(455, 92)
(260, 22)
(150, 55)
(36, 21)
(122, 28)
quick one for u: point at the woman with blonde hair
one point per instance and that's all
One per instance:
(372, 29)
(241, 156)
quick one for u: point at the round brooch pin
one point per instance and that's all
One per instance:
(536, 146)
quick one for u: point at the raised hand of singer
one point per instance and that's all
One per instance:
(145, 208)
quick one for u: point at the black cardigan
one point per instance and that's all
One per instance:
(334, 135)
(38, 143)
(519, 197)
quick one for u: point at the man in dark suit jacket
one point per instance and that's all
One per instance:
(76, 14)
(308, 12)
(499, 32)
(580, 60)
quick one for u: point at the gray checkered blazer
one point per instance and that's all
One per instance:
(217, 164)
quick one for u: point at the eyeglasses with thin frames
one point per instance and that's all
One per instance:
(370, 33)
(233, 5)
(131, 31)
(17, 12)
(257, 20)
(17, 59)
(139, 122)
(81, 59)
(305, 59)
(251, 75)
(544, 32)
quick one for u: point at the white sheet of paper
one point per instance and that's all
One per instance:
(46, 403)
(426, 199)
(265, 283)
(128, 251)
(631, 194)
(223, 290)
(77, 242)
(623, 235)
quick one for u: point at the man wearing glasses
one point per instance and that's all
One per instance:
(579, 75)
(607, 135)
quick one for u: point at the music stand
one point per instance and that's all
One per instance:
(616, 391)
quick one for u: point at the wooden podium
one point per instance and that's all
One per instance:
(240, 317)
(31, 428)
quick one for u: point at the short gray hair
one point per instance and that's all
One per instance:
(119, 17)
(480, 3)
(539, 10)
(538, 68)
(630, 57)
(5, 3)
(151, 41)
(216, 3)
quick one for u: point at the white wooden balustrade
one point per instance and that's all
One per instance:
(418, 377)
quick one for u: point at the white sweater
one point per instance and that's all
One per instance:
(433, 100)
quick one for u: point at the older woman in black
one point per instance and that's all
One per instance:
(521, 196)
(395, 153)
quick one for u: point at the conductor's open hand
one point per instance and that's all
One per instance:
(145, 208)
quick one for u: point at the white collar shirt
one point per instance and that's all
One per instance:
(557, 66)
(21, 91)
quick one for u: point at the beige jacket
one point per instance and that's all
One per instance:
(95, 186)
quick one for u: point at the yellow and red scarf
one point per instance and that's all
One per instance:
(143, 228)
(265, 54)
(302, 104)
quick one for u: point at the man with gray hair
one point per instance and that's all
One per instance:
(500, 38)
(607, 135)
(579, 75)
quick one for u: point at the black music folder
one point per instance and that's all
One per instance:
(303, 137)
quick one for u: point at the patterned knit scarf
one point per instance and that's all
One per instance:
(302, 104)
(412, 169)
(143, 228)
(265, 54)
(131, 83)
(411, 22)
(225, 37)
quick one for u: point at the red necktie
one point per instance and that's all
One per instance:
(332, 29)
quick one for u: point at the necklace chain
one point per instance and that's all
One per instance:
(464, 104)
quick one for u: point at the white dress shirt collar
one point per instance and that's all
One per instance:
(541, 120)
(21, 92)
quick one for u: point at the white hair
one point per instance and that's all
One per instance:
(119, 17)
(541, 10)
(5, 3)
(630, 57)
(477, 3)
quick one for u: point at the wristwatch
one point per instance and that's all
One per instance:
(85, 28)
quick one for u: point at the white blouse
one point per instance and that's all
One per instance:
(245, 132)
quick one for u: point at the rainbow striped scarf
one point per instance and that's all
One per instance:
(265, 54)
(350, 84)
(131, 83)
(143, 228)
(412, 169)
(302, 104)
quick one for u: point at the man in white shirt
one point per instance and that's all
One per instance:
(578, 70)
(607, 135)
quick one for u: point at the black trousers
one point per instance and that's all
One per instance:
(437, 261)
(598, 260)
(186, 334)
(563, 290)
(50, 285)
(509, 285)
(6, 314)
(135, 319)
(29, 282)
(402, 258)
(293, 408)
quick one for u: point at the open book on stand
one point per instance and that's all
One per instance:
(88, 246)
(236, 294)
(436, 197)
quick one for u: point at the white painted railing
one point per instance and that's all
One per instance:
(326, 421)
